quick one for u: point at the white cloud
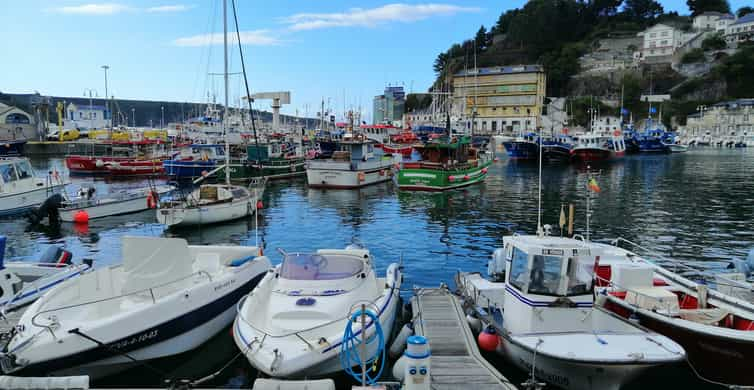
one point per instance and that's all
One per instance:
(93, 9)
(170, 8)
(255, 37)
(398, 12)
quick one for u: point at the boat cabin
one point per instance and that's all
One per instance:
(444, 150)
(355, 148)
(15, 172)
(546, 278)
(268, 151)
(202, 152)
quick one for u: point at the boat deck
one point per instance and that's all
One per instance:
(456, 361)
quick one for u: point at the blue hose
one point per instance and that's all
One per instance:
(349, 348)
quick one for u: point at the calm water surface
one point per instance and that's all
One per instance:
(687, 206)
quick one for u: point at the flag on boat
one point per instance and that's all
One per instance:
(594, 186)
(562, 217)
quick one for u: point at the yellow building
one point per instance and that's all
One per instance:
(500, 99)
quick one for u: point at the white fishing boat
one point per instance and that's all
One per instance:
(20, 189)
(116, 203)
(353, 165)
(22, 282)
(292, 324)
(543, 311)
(213, 203)
(167, 297)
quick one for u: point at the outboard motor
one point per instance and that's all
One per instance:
(56, 256)
(49, 209)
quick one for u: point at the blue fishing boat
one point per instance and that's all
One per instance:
(631, 138)
(651, 141)
(525, 148)
(557, 149)
(195, 160)
(12, 147)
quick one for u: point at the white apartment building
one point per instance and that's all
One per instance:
(725, 119)
(741, 30)
(84, 116)
(709, 20)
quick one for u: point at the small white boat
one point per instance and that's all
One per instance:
(212, 203)
(547, 319)
(677, 148)
(354, 165)
(166, 298)
(117, 203)
(22, 282)
(20, 189)
(292, 324)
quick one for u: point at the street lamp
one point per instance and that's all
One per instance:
(107, 104)
(162, 117)
(133, 117)
(89, 91)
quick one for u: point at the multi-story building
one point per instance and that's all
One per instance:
(500, 99)
(660, 42)
(741, 30)
(725, 119)
(709, 20)
(389, 107)
(84, 116)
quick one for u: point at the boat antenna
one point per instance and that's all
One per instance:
(540, 232)
(225, 80)
(246, 83)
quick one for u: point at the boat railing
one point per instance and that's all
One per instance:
(37, 284)
(666, 263)
(150, 291)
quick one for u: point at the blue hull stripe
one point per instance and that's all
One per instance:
(42, 289)
(539, 303)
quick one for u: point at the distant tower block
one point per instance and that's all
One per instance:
(278, 99)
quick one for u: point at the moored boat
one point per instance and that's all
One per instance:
(403, 150)
(292, 324)
(194, 161)
(272, 160)
(446, 163)
(524, 148)
(135, 167)
(128, 154)
(592, 147)
(165, 298)
(20, 189)
(115, 203)
(354, 165)
(557, 150)
(540, 302)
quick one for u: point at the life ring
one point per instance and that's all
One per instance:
(362, 176)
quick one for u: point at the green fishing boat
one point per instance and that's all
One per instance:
(273, 160)
(446, 163)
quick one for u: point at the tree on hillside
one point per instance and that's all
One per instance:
(744, 11)
(504, 21)
(714, 42)
(441, 63)
(643, 9)
(700, 6)
(601, 8)
(482, 39)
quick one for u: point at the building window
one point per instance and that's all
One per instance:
(664, 33)
(17, 119)
(484, 125)
(652, 35)
(94, 115)
(81, 115)
(494, 126)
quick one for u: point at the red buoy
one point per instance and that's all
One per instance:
(260, 205)
(484, 170)
(451, 178)
(467, 177)
(81, 216)
(488, 339)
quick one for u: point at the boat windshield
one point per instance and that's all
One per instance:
(301, 266)
(545, 274)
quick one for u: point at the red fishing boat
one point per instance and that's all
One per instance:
(135, 168)
(88, 165)
(404, 150)
(128, 158)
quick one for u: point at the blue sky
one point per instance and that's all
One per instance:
(347, 51)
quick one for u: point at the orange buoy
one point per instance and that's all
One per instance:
(488, 339)
(260, 205)
(81, 216)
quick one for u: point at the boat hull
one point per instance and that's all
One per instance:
(713, 356)
(523, 151)
(404, 150)
(186, 170)
(176, 217)
(347, 175)
(135, 168)
(653, 146)
(88, 165)
(556, 154)
(568, 374)
(106, 208)
(412, 177)
(272, 170)
(587, 155)
(11, 204)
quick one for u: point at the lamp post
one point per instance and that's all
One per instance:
(89, 91)
(133, 117)
(107, 104)
(162, 117)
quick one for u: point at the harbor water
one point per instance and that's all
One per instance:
(691, 206)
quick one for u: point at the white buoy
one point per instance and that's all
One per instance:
(417, 363)
(399, 344)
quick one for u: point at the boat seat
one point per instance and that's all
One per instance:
(704, 316)
(208, 262)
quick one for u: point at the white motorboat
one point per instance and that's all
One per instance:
(117, 203)
(166, 298)
(292, 324)
(22, 282)
(543, 310)
(677, 147)
(20, 189)
(354, 165)
(212, 203)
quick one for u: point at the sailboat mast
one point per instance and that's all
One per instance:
(225, 77)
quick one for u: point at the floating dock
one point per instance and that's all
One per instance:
(456, 360)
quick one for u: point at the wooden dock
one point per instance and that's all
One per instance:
(456, 359)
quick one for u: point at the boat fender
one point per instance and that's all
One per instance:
(81, 217)
(260, 205)
(151, 199)
(451, 178)
(399, 344)
(362, 176)
(484, 170)
(466, 177)
(474, 322)
(488, 339)
(99, 163)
